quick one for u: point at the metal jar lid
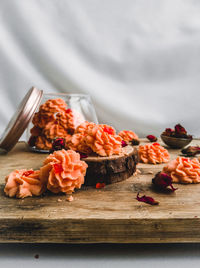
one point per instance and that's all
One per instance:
(20, 119)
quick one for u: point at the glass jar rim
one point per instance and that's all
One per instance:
(67, 94)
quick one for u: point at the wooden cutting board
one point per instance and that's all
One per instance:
(109, 215)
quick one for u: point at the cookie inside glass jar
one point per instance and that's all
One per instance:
(54, 119)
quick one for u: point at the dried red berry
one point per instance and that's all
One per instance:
(27, 173)
(58, 144)
(57, 168)
(180, 130)
(162, 181)
(83, 155)
(151, 138)
(32, 141)
(70, 131)
(68, 111)
(135, 142)
(108, 130)
(100, 185)
(168, 131)
(147, 199)
(191, 150)
(124, 144)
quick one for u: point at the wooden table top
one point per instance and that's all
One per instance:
(108, 215)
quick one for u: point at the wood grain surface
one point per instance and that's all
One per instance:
(109, 215)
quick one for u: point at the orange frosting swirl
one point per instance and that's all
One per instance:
(183, 170)
(153, 153)
(69, 119)
(108, 129)
(22, 183)
(82, 128)
(53, 106)
(102, 142)
(36, 131)
(53, 130)
(64, 171)
(43, 143)
(42, 119)
(67, 138)
(77, 143)
(101, 139)
(128, 135)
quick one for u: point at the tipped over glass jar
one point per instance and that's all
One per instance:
(57, 116)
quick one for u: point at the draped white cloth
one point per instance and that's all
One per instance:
(138, 59)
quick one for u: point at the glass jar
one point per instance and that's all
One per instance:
(57, 116)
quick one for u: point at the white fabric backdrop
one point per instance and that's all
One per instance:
(139, 60)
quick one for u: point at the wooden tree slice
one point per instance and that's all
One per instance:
(111, 169)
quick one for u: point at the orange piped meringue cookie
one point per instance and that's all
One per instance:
(42, 119)
(36, 131)
(101, 139)
(128, 135)
(183, 170)
(78, 143)
(82, 128)
(53, 130)
(43, 143)
(67, 138)
(108, 129)
(102, 142)
(70, 119)
(23, 183)
(64, 171)
(53, 106)
(153, 153)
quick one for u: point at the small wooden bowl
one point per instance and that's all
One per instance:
(176, 143)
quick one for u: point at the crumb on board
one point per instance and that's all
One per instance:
(137, 172)
(70, 198)
(59, 200)
(150, 172)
